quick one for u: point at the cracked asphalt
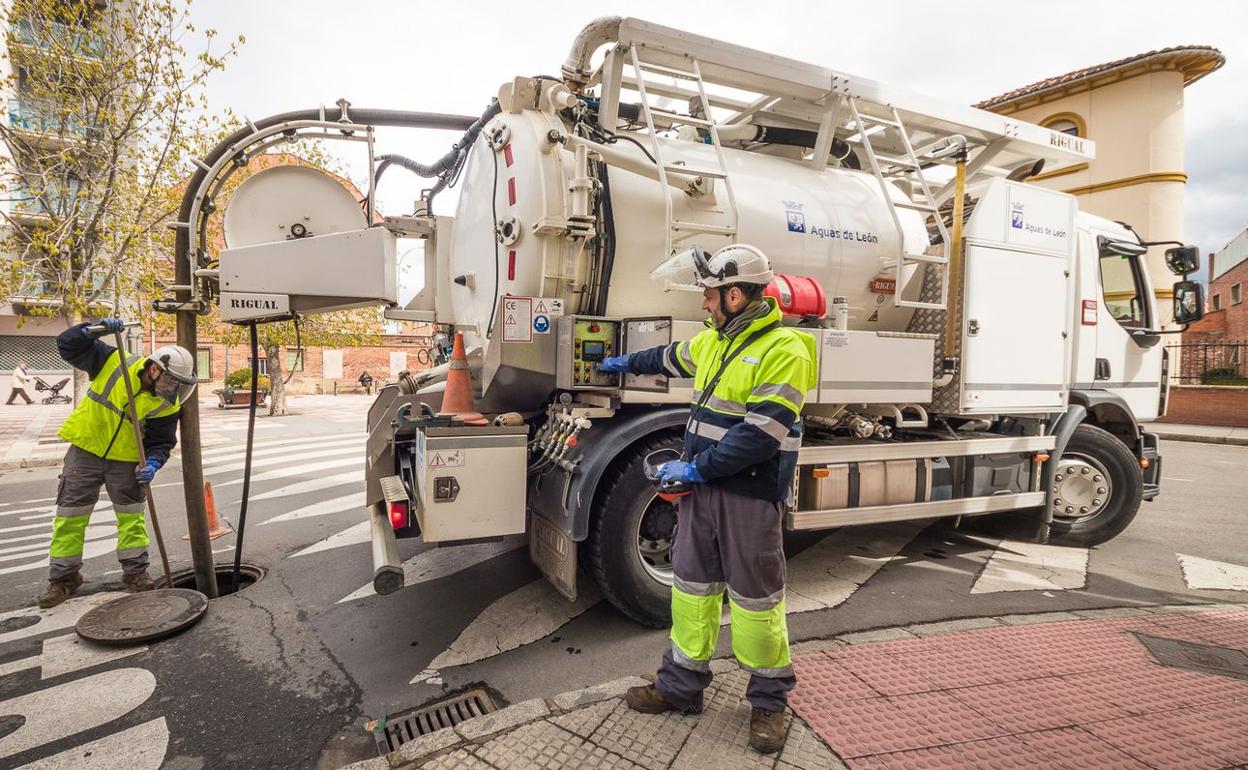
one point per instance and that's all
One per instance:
(284, 675)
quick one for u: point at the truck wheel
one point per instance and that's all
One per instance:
(1097, 489)
(630, 539)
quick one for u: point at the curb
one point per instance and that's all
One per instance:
(1199, 439)
(14, 465)
(484, 728)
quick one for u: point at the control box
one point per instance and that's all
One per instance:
(583, 342)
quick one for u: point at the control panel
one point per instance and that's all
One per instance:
(584, 341)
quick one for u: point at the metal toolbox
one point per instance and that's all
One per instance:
(470, 482)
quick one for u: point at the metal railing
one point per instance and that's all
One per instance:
(1209, 363)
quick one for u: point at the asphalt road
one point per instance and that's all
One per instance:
(287, 673)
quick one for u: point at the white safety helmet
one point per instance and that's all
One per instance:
(177, 368)
(697, 269)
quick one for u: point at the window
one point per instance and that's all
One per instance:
(203, 364)
(1066, 123)
(263, 367)
(1125, 297)
(1237, 293)
(294, 360)
(1217, 301)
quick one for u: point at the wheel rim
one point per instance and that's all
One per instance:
(655, 529)
(1082, 489)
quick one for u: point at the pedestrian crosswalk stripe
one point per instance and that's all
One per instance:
(533, 611)
(296, 470)
(352, 535)
(313, 485)
(1021, 566)
(830, 571)
(1210, 574)
(237, 448)
(436, 563)
(323, 508)
(289, 456)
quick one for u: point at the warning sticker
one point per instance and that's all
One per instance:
(548, 306)
(517, 319)
(874, 317)
(836, 339)
(447, 459)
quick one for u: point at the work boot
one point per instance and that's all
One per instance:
(648, 700)
(59, 590)
(138, 582)
(766, 730)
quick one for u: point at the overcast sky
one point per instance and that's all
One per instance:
(452, 56)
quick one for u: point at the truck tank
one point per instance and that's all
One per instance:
(832, 225)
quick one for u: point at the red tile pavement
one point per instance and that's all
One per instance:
(1080, 695)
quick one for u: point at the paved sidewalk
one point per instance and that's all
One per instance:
(1056, 690)
(28, 434)
(1208, 434)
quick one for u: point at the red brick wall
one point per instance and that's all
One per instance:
(375, 359)
(1231, 320)
(1208, 405)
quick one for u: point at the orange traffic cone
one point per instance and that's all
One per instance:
(215, 530)
(457, 398)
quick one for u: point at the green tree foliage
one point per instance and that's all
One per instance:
(108, 111)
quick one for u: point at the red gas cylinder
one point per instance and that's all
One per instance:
(798, 295)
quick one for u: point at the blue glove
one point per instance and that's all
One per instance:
(147, 471)
(614, 364)
(111, 326)
(682, 472)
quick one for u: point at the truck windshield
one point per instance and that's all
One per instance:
(1123, 285)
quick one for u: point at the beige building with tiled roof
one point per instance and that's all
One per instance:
(1133, 109)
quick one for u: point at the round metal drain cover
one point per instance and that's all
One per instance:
(144, 616)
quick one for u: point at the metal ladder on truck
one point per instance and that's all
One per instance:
(885, 167)
(678, 230)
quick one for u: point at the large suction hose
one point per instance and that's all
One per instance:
(576, 71)
(447, 162)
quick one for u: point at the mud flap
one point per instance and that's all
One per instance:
(554, 553)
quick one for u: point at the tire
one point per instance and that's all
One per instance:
(1093, 512)
(625, 501)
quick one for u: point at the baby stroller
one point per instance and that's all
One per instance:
(55, 396)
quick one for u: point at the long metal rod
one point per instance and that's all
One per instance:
(132, 408)
(914, 450)
(874, 514)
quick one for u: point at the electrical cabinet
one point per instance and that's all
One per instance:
(584, 341)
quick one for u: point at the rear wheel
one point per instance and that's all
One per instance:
(1097, 488)
(630, 538)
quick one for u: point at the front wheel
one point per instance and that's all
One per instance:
(630, 538)
(1097, 489)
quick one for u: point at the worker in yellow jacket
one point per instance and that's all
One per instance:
(103, 452)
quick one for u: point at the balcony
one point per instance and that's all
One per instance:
(56, 38)
(25, 205)
(24, 117)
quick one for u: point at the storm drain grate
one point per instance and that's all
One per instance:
(409, 725)
(1194, 656)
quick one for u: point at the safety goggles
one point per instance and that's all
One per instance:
(174, 388)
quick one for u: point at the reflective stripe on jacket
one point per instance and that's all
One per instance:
(746, 436)
(101, 417)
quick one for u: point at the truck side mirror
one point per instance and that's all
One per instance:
(1183, 260)
(1189, 302)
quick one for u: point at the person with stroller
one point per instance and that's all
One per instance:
(21, 378)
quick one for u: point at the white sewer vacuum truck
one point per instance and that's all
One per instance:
(984, 346)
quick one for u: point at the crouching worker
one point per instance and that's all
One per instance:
(102, 451)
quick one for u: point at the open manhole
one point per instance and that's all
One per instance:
(248, 575)
(1195, 656)
(406, 726)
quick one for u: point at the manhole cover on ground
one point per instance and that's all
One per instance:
(1196, 656)
(143, 617)
(409, 725)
